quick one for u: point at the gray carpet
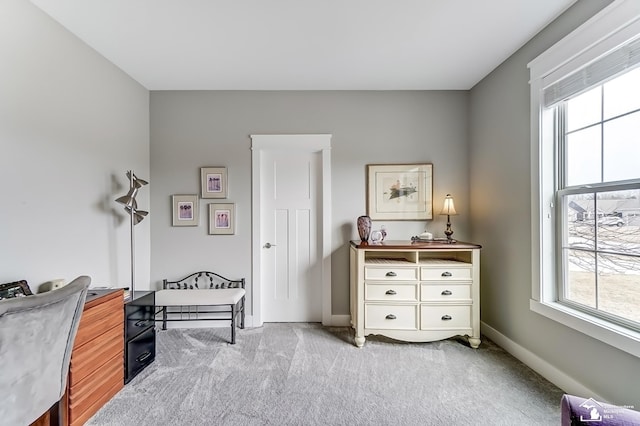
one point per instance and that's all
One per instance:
(306, 374)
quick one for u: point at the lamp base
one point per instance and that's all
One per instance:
(449, 232)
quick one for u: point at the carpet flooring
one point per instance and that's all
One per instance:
(307, 374)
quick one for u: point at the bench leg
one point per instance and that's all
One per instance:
(242, 313)
(164, 317)
(233, 324)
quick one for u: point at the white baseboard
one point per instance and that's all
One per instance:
(562, 380)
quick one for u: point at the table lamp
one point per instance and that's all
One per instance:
(450, 210)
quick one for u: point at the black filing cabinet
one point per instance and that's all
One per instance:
(139, 333)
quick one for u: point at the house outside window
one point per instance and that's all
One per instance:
(585, 140)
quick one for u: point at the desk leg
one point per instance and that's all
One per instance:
(242, 313)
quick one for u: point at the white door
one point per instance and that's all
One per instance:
(291, 282)
(291, 267)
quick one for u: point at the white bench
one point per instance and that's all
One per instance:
(203, 289)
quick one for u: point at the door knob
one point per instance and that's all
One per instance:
(269, 245)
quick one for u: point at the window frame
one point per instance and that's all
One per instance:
(610, 28)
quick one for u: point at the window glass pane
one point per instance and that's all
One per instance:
(583, 157)
(619, 286)
(584, 109)
(581, 277)
(618, 221)
(622, 147)
(617, 99)
(580, 223)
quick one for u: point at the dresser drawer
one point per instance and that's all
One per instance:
(445, 293)
(391, 292)
(138, 319)
(96, 319)
(391, 317)
(391, 273)
(87, 396)
(88, 358)
(141, 351)
(453, 272)
(444, 317)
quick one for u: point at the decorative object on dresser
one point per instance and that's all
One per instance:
(135, 217)
(36, 338)
(450, 210)
(364, 228)
(400, 191)
(139, 334)
(96, 372)
(224, 297)
(415, 291)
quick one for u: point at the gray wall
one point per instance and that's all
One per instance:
(501, 217)
(71, 124)
(190, 130)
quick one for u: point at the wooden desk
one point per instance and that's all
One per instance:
(96, 372)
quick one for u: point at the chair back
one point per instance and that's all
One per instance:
(36, 338)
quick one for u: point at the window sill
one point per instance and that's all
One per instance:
(619, 337)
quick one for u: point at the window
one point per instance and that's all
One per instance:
(598, 142)
(586, 178)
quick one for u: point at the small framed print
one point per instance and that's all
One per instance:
(185, 210)
(222, 219)
(213, 182)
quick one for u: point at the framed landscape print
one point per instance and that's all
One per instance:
(222, 219)
(400, 191)
(185, 210)
(213, 182)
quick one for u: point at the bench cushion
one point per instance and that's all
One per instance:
(224, 296)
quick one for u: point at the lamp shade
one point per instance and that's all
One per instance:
(448, 208)
(129, 200)
(136, 181)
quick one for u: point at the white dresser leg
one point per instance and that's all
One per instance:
(474, 342)
(360, 341)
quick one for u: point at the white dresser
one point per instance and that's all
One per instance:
(417, 292)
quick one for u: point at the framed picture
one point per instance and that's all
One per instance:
(14, 289)
(185, 210)
(213, 182)
(222, 219)
(400, 191)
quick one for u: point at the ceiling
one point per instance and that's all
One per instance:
(305, 44)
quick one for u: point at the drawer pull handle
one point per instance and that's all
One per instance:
(446, 293)
(446, 318)
(141, 323)
(391, 292)
(446, 274)
(391, 317)
(143, 356)
(391, 274)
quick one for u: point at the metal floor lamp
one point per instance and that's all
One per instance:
(136, 216)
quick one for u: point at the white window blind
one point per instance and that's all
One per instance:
(597, 72)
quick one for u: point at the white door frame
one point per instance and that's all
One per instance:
(309, 143)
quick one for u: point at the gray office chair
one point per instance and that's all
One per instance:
(36, 338)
